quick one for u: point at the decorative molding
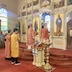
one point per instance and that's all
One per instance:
(59, 10)
(36, 15)
(29, 21)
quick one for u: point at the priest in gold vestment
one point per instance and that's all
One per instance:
(15, 47)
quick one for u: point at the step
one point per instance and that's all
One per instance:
(22, 45)
(28, 54)
(60, 58)
(60, 52)
(25, 50)
(60, 63)
(24, 53)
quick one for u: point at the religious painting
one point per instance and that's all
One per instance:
(69, 2)
(35, 2)
(58, 24)
(36, 25)
(45, 3)
(46, 20)
(35, 11)
(23, 13)
(59, 3)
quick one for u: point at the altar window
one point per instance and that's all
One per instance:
(46, 18)
(47, 21)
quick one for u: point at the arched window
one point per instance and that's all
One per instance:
(4, 20)
(46, 18)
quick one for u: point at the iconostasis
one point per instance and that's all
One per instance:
(50, 12)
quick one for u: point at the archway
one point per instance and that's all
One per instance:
(46, 20)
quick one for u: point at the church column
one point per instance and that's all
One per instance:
(65, 25)
(52, 29)
(65, 30)
(52, 22)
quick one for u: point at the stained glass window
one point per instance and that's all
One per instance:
(4, 20)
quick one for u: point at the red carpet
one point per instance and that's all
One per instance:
(60, 58)
(26, 66)
(62, 70)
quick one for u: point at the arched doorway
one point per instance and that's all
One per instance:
(69, 30)
(4, 20)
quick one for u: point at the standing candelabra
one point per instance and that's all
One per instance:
(47, 66)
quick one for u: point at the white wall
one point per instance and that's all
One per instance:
(20, 4)
(11, 7)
